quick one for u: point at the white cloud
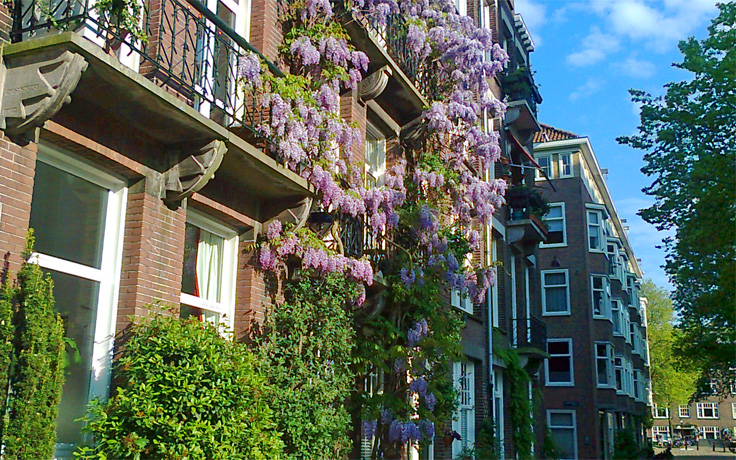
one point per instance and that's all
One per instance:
(656, 24)
(637, 68)
(595, 48)
(590, 87)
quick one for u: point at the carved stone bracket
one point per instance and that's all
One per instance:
(372, 86)
(296, 214)
(193, 170)
(35, 87)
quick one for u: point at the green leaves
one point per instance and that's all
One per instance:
(185, 392)
(689, 136)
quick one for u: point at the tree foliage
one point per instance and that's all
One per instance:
(673, 379)
(32, 372)
(690, 137)
(185, 392)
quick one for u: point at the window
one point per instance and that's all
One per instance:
(77, 214)
(618, 369)
(464, 420)
(498, 410)
(565, 165)
(616, 316)
(372, 385)
(661, 433)
(604, 364)
(600, 294)
(208, 275)
(595, 230)
(632, 329)
(461, 301)
(733, 410)
(707, 410)
(555, 292)
(561, 425)
(462, 7)
(545, 167)
(555, 221)
(559, 366)
(636, 385)
(711, 432)
(660, 412)
(375, 157)
(684, 411)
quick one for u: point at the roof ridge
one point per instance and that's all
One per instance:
(550, 133)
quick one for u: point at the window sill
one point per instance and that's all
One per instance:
(552, 245)
(567, 385)
(561, 313)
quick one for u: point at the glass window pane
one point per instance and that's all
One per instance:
(558, 419)
(555, 299)
(565, 442)
(554, 279)
(189, 273)
(554, 212)
(76, 301)
(558, 348)
(68, 216)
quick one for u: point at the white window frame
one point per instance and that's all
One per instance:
(466, 404)
(563, 218)
(567, 292)
(601, 234)
(570, 355)
(712, 406)
(562, 174)
(733, 410)
(559, 427)
(461, 6)
(655, 412)
(108, 275)
(609, 365)
(617, 317)
(683, 411)
(499, 410)
(663, 431)
(547, 169)
(461, 302)
(605, 297)
(225, 308)
(380, 137)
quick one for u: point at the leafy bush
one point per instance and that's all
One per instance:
(550, 451)
(31, 363)
(624, 446)
(185, 392)
(307, 342)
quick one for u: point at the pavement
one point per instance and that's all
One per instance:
(705, 452)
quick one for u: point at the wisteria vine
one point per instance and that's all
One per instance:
(431, 204)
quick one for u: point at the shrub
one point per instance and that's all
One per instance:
(31, 365)
(185, 392)
(624, 446)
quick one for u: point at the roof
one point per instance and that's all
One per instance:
(550, 133)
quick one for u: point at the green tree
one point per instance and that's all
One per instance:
(32, 363)
(673, 378)
(690, 137)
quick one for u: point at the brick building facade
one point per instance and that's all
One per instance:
(596, 380)
(134, 171)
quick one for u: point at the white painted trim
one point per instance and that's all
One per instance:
(574, 428)
(571, 383)
(564, 227)
(567, 292)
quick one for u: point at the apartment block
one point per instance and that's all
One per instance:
(709, 418)
(596, 379)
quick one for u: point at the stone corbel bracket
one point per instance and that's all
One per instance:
(34, 88)
(192, 171)
(372, 86)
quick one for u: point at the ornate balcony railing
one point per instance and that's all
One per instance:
(188, 48)
(358, 241)
(525, 203)
(529, 332)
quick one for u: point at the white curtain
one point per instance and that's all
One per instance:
(209, 265)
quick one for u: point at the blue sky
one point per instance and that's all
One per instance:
(588, 54)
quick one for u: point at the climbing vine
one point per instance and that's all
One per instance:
(425, 216)
(520, 406)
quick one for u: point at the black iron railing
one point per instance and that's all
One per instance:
(529, 332)
(187, 47)
(358, 241)
(525, 203)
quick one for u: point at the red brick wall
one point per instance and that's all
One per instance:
(265, 35)
(153, 254)
(17, 169)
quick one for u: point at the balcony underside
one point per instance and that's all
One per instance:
(528, 230)
(112, 98)
(401, 99)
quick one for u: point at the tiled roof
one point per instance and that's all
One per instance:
(550, 133)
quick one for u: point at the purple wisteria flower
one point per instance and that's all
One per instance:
(274, 230)
(306, 51)
(249, 69)
(430, 401)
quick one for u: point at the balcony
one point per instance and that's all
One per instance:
(529, 337)
(172, 92)
(526, 207)
(519, 85)
(408, 87)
